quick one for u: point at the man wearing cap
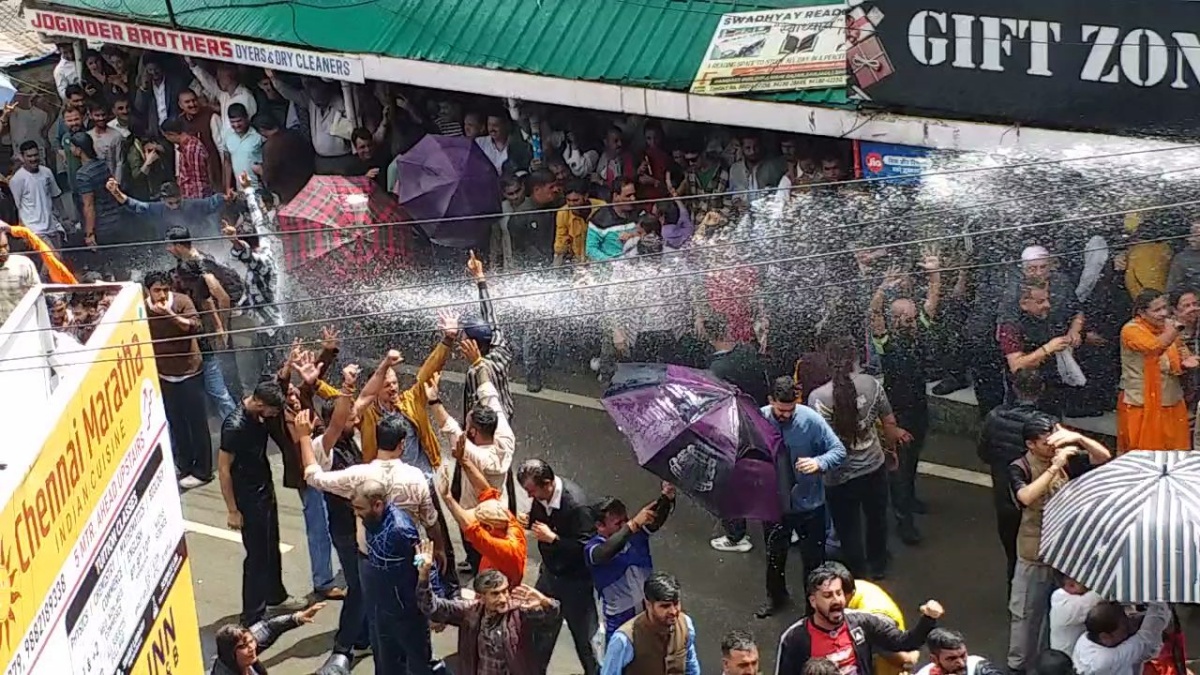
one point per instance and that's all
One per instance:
(171, 210)
(484, 347)
(1039, 317)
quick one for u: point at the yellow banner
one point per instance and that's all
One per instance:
(46, 516)
(172, 646)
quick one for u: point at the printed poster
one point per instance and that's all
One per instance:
(775, 50)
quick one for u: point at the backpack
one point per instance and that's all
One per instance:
(230, 280)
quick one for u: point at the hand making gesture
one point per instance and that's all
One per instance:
(475, 266)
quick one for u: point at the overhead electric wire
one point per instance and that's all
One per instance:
(657, 278)
(691, 250)
(682, 198)
(577, 315)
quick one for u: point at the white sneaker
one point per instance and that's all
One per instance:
(189, 482)
(795, 537)
(727, 546)
(595, 364)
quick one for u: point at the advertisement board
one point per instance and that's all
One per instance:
(902, 163)
(93, 560)
(1121, 66)
(775, 50)
(196, 45)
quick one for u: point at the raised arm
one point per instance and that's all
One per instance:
(474, 475)
(439, 610)
(207, 82)
(342, 409)
(296, 95)
(933, 293)
(375, 384)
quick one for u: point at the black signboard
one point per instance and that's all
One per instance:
(1129, 66)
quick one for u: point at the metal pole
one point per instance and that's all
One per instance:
(348, 102)
(77, 47)
(171, 14)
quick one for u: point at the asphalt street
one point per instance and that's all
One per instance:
(960, 563)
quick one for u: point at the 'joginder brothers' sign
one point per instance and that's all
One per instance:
(316, 64)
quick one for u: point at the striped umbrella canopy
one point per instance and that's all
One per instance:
(1130, 530)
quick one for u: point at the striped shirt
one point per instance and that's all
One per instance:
(496, 361)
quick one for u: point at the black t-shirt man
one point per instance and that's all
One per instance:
(245, 437)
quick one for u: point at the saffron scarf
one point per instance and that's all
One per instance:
(1144, 334)
(55, 269)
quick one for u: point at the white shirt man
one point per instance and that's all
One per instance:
(240, 94)
(66, 73)
(1127, 656)
(493, 459)
(407, 487)
(497, 156)
(1069, 607)
(34, 193)
(17, 275)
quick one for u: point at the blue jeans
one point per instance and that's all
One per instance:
(214, 386)
(316, 527)
(399, 631)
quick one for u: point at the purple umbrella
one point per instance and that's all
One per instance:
(702, 434)
(448, 177)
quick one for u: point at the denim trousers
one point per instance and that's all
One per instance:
(316, 528)
(214, 386)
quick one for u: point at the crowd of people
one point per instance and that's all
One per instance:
(151, 148)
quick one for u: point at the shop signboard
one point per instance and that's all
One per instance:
(775, 50)
(1121, 66)
(94, 569)
(899, 164)
(196, 45)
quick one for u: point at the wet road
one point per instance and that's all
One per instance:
(960, 562)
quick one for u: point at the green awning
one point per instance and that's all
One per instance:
(656, 44)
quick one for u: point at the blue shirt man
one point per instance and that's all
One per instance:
(399, 631)
(661, 636)
(172, 210)
(618, 555)
(813, 449)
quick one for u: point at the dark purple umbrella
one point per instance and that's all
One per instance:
(702, 434)
(448, 177)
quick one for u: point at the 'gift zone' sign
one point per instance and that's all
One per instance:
(1120, 66)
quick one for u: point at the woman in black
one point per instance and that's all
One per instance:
(238, 648)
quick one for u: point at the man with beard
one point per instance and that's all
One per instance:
(948, 653)
(659, 641)
(813, 450)
(1032, 338)
(399, 630)
(901, 340)
(496, 630)
(849, 640)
